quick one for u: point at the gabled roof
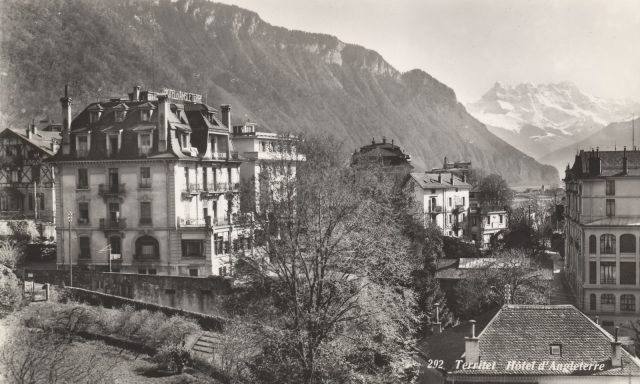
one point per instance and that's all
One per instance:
(40, 140)
(525, 333)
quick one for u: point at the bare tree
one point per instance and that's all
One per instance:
(339, 265)
(34, 357)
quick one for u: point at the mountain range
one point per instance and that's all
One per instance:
(284, 80)
(539, 119)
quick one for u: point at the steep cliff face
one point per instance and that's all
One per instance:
(284, 80)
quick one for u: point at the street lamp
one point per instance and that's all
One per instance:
(69, 218)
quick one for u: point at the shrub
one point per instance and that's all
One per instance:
(11, 297)
(173, 358)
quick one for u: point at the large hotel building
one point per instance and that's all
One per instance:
(602, 234)
(148, 184)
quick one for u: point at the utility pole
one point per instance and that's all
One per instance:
(69, 218)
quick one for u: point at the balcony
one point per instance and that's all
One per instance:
(83, 221)
(435, 209)
(111, 191)
(109, 224)
(191, 190)
(192, 223)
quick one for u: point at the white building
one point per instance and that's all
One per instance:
(602, 231)
(444, 198)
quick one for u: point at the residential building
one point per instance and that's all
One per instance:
(540, 344)
(602, 228)
(26, 183)
(268, 157)
(458, 168)
(444, 198)
(386, 156)
(148, 184)
(485, 222)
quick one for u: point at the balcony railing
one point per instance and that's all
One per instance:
(109, 224)
(114, 190)
(435, 209)
(221, 187)
(201, 222)
(145, 183)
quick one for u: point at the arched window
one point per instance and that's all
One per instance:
(628, 303)
(608, 244)
(115, 242)
(592, 244)
(627, 243)
(147, 248)
(592, 302)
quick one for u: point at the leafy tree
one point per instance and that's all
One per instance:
(493, 190)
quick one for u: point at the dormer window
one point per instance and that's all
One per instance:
(144, 143)
(83, 145)
(555, 350)
(145, 115)
(120, 116)
(94, 116)
(113, 144)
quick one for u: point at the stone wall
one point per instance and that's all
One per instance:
(195, 294)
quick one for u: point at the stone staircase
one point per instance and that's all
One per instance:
(204, 344)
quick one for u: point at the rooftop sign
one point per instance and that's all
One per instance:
(181, 95)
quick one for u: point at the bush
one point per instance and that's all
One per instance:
(11, 297)
(173, 358)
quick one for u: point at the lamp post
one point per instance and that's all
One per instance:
(69, 218)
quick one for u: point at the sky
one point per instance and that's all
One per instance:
(471, 44)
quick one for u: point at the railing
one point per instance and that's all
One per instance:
(109, 224)
(202, 222)
(44, 215)
(83, 220)
(82, 153)
(144, 151)
(222, 187)
(146, 221)
(145, 183)
(115, 190)
(192, 189)
(435, 209)
(219, 155)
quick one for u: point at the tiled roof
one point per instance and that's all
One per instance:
(525, 333)
(458, 268)
(615, 222)
(610, 162)
(40, 140)
(430, 181)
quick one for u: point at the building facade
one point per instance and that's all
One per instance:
(602, 232)
(485, 222)
(444, 199)
(148, 184)
(27, 185)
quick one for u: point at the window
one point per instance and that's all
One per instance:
(592, 302)
(114, 212)
(555, 349)
(611, 207)
(152, 271)
(192, 248)
(627, 243)
(15, 175)
(82, 145)
(119, 116)
(474, 220)
(142, 271)
(145, 177)
(112, 145)
(145, 212)
(450, 202)
(219, 247)
(144, 142)
(114, 180)
(186, 176)
(610, 187)
(501, 219)
(83, 213)
(592, 244)
(82, 182)
(608, 244)
(593, 273)
(193, 272)
(147, 248)
(85, 247)
(115, 242)
(628, 272)
(433, 191)
(628, 303)
(93, 117)
(607, 299)
(145, 114)
(607, 272)
(464, 200)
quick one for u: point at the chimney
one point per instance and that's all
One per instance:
(444, 165)
(597, 319)
(136, 93)
(384, 140)
(29, 131)
(163, 123)
(439, 177)
(625, 164)
(472, 346)
(451, 178)
(226, 115)
(66, 121)
(616, 351)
